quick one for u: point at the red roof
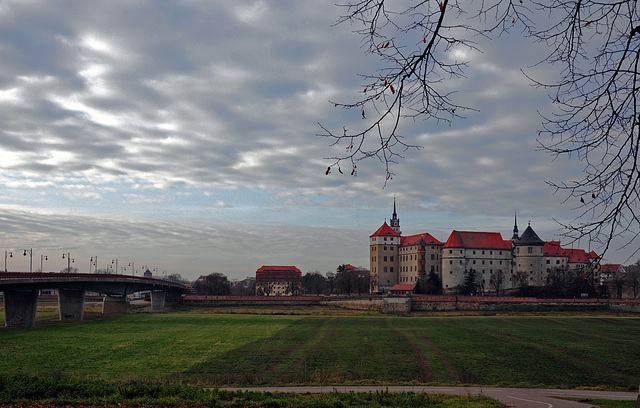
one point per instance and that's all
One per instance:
(413, 240)
(271, 273)
(609, 268)
(553, 248)
(265, 268)
(386, 231)
(579, 256)
(483, 240)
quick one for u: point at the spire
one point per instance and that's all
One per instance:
(515, 226)
(395, 222)
(394, 207)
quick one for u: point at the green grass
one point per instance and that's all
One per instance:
(61, 391)
(196, 347)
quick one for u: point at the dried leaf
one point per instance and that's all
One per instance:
(392, 90)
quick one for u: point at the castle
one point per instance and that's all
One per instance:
(397, 259)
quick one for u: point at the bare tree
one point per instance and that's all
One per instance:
(596, 96)
(521, 279)
(496, 281)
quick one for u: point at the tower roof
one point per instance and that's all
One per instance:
(385, 231)
(529, 237)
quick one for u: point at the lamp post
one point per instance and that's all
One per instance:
(30, 251)
(116, 262)
(69, 260)
(42, 259)
(93, 261)
(5, 259)
(133, 268)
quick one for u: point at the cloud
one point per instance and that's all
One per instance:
(165, 113)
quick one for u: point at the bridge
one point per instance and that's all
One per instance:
(21, 292)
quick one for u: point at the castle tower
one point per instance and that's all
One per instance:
(514, 238)
(529, 256)
(384, 251)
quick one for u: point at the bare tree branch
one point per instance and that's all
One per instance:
(596, 117)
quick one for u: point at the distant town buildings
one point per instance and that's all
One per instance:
(524, 259)
(278, 281)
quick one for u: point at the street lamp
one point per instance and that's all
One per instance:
(69, 260)
(42, 259)
(116, 262)
(133, 268)
(5, 259)
(93, 261)
(30, 251)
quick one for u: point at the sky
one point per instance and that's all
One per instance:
(182, 137)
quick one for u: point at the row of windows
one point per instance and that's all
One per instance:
(490, 262)
(529, 250)
(413, 248)
(474, 252)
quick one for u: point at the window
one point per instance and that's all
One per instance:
(385, 238)
(483, 262)
(490, 252)
(529, 250)
(461, 262)
(474, 261)
(391, 269)
(474, 252)
(518, 250)
(557, 262)
(450, 251)
(548, 261)
(490, 262)
(391, 258)
(384, 248)
(482, 252)
(500, 252)
(450, 262)
(384, 269)
(384, 259)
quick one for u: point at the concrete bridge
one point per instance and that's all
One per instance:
(21, 292)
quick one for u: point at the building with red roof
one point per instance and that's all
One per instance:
(397, 259)
(400, 260)
(403, 289)
(278, 281)
(484, 252)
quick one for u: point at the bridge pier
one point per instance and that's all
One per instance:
(112, 304)
(20, 308)
(71, 304)
(158, 298)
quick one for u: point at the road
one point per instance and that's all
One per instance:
(512, 397)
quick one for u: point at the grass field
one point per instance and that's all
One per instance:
(199, 347)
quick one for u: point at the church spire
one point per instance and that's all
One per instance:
(395, 222)
(515, 226)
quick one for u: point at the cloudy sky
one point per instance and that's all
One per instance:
(182, 136)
